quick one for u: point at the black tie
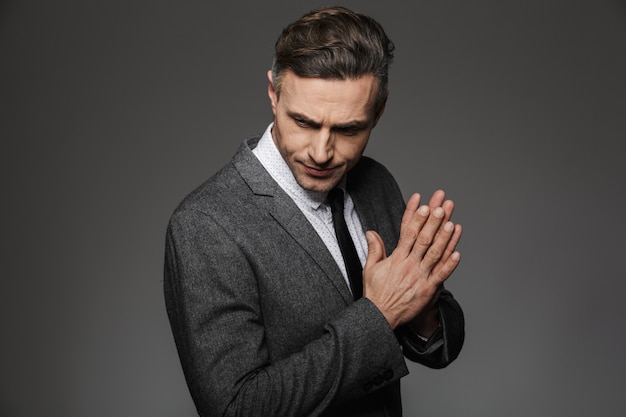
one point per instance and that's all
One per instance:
(350, 256)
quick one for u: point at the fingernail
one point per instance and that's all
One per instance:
(438, 212)
(423, 210)
(448, 227)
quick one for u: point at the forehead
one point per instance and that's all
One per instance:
(324, 99)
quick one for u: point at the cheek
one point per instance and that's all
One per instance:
(351, 149)
(290, 142)
(294, 139)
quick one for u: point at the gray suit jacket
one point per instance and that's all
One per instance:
(263, 320)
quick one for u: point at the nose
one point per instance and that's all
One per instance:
(321, 147)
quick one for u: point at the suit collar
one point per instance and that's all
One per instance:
(363, 201)
(251, 170)
(367, 187)
(274, 163)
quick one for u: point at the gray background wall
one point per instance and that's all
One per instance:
(111, 111)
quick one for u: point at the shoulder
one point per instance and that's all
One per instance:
(226, 192)
(372, 178)
(368, 168)
(377, 198)
(214, 192)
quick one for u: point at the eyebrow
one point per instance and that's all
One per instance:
(351, 125)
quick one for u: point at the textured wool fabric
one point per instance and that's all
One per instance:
(262, 317)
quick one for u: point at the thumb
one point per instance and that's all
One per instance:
(375, 248)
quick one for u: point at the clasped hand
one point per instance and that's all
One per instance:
(405, 286)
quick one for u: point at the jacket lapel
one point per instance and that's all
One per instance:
(371, 207)
(272, 198)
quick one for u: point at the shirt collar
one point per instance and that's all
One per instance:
(271, 159)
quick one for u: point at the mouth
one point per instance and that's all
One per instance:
(319, 172)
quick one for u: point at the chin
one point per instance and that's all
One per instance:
(322, 186)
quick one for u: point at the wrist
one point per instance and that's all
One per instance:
(426, 323)
(392, 319)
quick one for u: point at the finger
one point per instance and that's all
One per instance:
(427, 234)
(411, 207)
(435, 252)
(454, 241)
(448, 208)
(375, 249)
(437, 199)
(446, 268)
(410, 230)
(450, 248)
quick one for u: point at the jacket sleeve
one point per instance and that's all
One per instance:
(445, 344)
(212, 299)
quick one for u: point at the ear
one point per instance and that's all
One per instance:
(271, 92)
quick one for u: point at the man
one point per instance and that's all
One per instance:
(268, 316)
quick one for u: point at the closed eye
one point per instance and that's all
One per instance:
(301, 122)
(348, 131)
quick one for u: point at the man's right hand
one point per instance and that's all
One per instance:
(408, 282)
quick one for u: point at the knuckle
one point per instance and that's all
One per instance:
(424, 239)
(410, 234)
(433, 254)
(442, 274)
(446, 270)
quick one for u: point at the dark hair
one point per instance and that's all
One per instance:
(334, 43)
